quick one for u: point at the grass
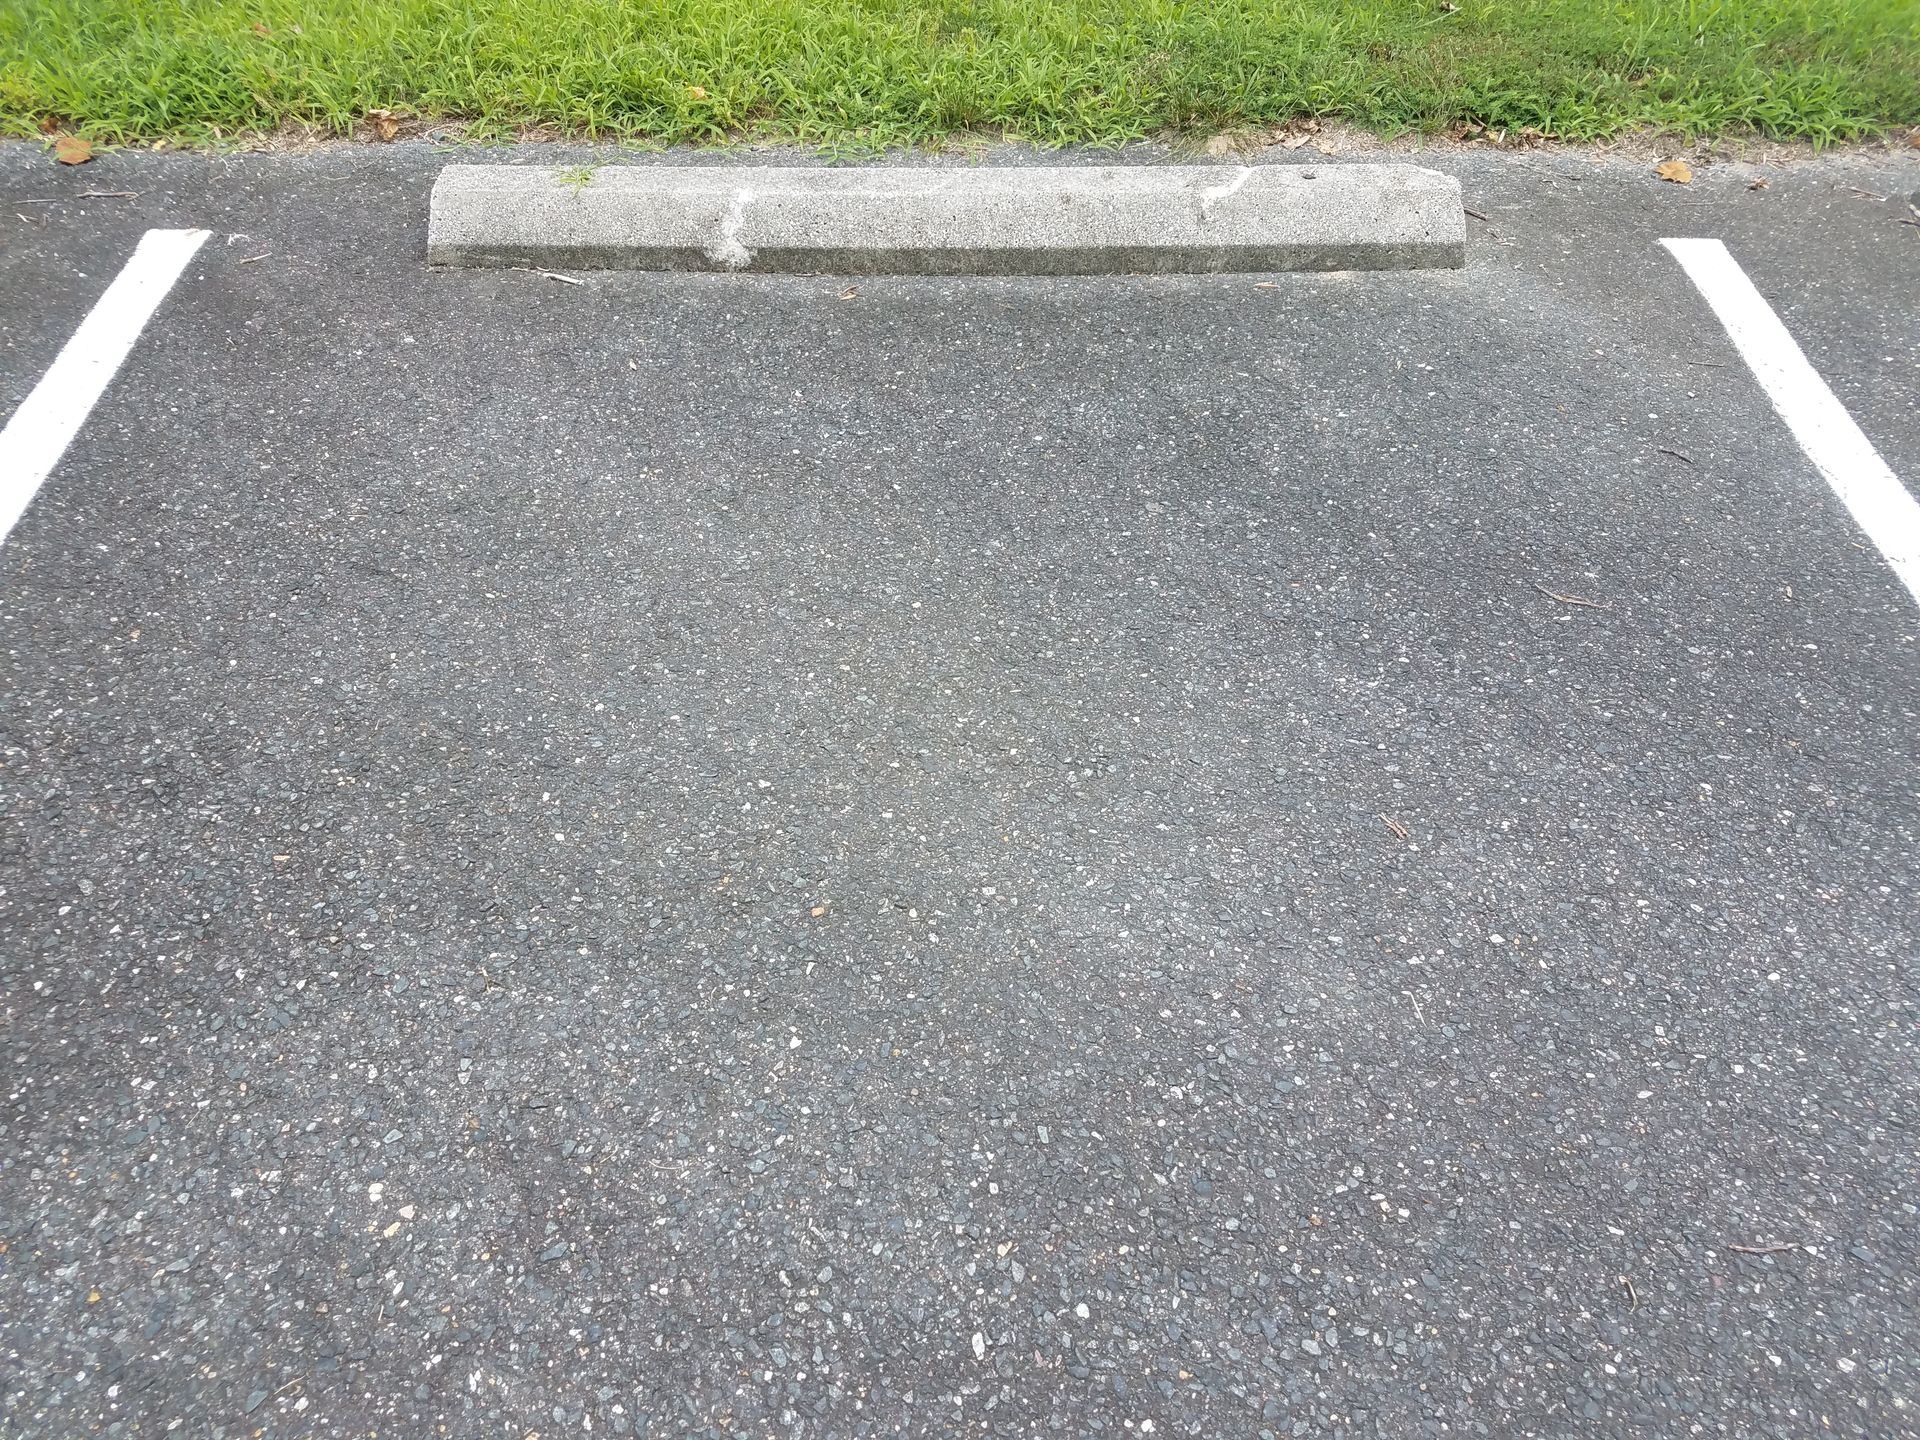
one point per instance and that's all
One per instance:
(884, 72)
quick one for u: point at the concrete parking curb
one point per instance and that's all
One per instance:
(1012, 220)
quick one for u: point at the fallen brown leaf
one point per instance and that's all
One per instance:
(72, 150)
(1677, 171)
(1294, 142)
(261, 30)
(850, 292)
(696, 92)
(1757, 184)
(384, 123)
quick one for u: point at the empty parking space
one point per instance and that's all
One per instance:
(1299, 854)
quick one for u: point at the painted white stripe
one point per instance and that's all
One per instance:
(1873, 495)
(48, 419)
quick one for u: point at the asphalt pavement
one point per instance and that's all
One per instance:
(697, 855)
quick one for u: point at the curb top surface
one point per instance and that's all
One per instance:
(1040, 219)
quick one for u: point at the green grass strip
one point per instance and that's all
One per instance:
(886, 72)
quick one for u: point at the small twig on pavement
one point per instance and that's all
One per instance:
(83, 195)
(1400, 831)
(1476, 215)
(1688, 459)
(1764, 1249)
(1571, 599)
(563, 279)
(261, 256)
(1632, 1294)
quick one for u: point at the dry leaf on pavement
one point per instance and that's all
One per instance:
(1678, 171)
(72, 150)
(384, 122)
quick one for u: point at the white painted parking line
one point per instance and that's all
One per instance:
(1873, 495)
(48, 419)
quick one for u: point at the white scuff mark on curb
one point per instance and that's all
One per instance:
(1840, 451)
(1211, 198)
(727, 248)
(48, 419)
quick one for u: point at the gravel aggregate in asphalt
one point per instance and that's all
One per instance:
(692, 856)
